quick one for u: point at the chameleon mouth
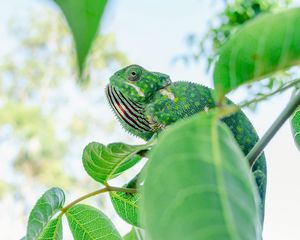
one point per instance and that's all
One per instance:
(131, 113)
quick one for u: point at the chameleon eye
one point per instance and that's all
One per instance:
(133, 74)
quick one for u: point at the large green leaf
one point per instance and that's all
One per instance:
(83, 17)
(295, 123)
(126, 205)
(105, 162)
(89, 223)
(41, 214)
(53, 231)
(198, 185)
(263, 46)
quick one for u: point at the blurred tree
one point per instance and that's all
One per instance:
(36, 86)
(4, 188)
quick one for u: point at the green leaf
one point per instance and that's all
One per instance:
(83, 18)
(53, 231)
(134, 234)
(267, 44)
(89, 223)
(198, 185)
(295, 123)
(41, 214)
(126, 205)
(103, 163)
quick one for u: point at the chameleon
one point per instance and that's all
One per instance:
(146, 102)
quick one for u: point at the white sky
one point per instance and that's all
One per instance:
(152, 33)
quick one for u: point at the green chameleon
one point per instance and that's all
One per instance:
(146, 102)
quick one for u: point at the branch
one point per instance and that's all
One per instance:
(279, 90)
(121, 189)
(102, 190)
(261, 144)
(99, 191)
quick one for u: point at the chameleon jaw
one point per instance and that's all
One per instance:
(130, 114)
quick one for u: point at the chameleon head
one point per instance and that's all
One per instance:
(138, 84)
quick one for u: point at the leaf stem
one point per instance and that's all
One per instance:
(255, 100)
(107, 188)
(121, 189)
(261, 144)
(64, 209)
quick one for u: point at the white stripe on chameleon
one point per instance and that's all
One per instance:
(169, 95)
(136, 88)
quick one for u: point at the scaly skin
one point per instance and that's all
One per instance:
(146, 102)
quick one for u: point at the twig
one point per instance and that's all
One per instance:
(261, 144)
(255, 100)
(99, 191)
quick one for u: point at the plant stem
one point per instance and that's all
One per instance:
(119, 189)
(99, 191)
(102, 190)
(261, 144)
(255, 100)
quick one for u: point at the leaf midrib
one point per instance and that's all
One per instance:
(55, 229)
(124, 200)
(120, 162)
(79, 223)
(220, 180)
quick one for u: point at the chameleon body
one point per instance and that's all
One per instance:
(146, 102)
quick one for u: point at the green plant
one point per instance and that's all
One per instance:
(197, 182)
(233, 15)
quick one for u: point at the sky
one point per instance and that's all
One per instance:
(152, 34)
